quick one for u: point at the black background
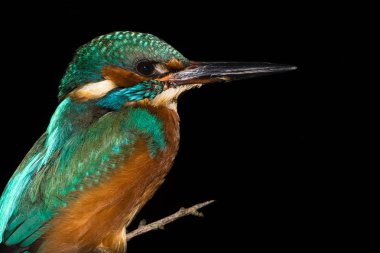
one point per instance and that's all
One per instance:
(255, 146)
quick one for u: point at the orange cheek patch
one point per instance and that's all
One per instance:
(165, 78)
(121, 77)
(175, 64)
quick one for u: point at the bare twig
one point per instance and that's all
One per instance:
(142, 229)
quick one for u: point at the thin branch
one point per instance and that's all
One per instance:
(142, 229)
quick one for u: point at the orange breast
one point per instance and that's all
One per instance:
(98, 217)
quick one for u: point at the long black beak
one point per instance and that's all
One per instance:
(211, 72)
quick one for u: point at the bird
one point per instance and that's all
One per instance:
(109, 144)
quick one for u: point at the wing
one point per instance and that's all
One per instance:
(19, 182)
(41, 186)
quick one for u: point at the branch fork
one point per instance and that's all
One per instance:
(160, 224)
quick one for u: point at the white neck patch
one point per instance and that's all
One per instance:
(169, 97)
(94, 90)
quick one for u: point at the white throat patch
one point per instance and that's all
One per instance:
(169, 97)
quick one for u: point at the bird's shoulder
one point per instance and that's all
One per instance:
(48, 178)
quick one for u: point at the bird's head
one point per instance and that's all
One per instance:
(127, 67)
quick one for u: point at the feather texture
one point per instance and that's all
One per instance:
(105, 152)
(76, 154)
(119, 49)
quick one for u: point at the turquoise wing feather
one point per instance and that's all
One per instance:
(19, 182)
(75, 160)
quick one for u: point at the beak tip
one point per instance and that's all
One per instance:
(279, 68)
(286, 68)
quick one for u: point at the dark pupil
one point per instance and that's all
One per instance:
(145, 68)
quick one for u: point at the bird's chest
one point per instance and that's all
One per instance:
(112, 204)
(103, 210)
(142, 174)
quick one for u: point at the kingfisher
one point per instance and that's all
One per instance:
(109, 144)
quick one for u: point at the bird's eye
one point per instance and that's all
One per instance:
(146, 68)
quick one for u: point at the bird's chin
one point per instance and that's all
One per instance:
(170, 94)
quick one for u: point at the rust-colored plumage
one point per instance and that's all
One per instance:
(122, 77)
(97, 218)
(175, 64)
(108, 147)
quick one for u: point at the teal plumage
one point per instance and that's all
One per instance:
(121, 49)
(118, 97)
(84, 140)
(76, 158)
(116, 122)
